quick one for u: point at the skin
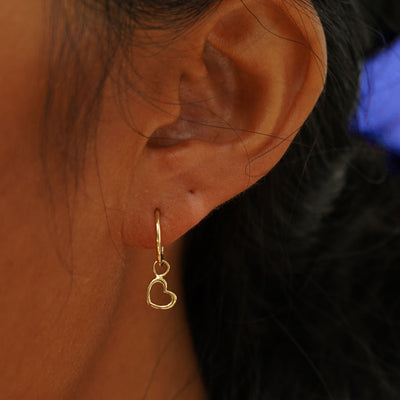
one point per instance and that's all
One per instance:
(75, 260)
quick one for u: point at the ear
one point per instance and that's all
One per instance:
(220, 104)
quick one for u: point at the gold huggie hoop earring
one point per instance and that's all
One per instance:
(160, 262)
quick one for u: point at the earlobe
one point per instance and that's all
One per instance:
(264, 69)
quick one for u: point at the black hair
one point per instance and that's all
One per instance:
(290, 288)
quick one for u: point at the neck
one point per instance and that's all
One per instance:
(148, 353)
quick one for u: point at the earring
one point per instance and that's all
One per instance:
(159, 264)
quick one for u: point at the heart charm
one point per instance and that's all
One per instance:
(172, 295)
(160, 263)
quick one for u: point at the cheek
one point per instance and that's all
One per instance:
(21, 65)
(125, 125)
(112, 158)
(41, 339)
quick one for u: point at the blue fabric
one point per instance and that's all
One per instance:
(378, 114)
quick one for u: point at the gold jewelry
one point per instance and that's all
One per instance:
(160, 262)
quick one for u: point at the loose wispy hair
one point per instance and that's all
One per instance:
(291, 288)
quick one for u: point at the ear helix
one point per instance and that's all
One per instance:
(159, 279)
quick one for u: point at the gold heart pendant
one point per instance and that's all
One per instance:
(172, 295)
